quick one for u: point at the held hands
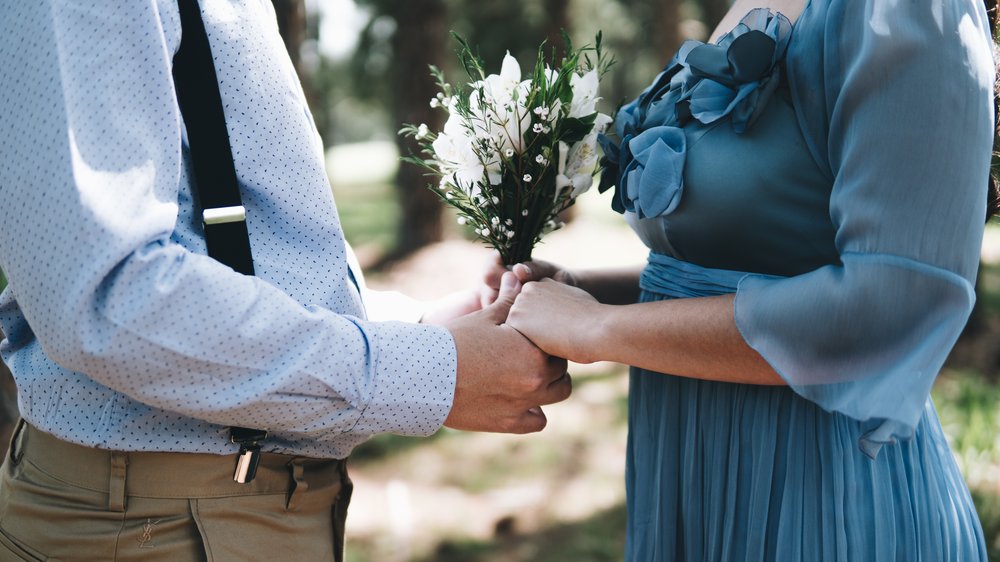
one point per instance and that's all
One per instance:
(563, 321)
(550, 310)
(503, 379)
(532, 271)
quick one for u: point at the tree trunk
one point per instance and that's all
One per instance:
(420, 40)
(666, 22)
(712, 12)
(291, 16)
(557, 20)
(292, 25)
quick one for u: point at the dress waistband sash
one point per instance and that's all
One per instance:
(676, 278)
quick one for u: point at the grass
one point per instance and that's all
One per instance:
(969, 408)
(369, 214)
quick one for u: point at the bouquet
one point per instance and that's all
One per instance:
(516, 152)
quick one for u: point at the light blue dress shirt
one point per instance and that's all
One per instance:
(121, 332)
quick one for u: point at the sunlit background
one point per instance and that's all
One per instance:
(558, 495)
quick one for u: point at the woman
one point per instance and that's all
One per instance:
(812, 190)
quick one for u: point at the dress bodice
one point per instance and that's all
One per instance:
(754, 201)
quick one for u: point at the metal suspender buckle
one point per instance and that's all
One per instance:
(249, 457)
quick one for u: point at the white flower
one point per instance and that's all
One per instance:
(537, 128)
(541, 160)
(509, 77)
(527, 178)
(509, 152)
(550, 76)
(435, 103)
(458, 160)
(524, 213)
(584, 94)
(422, 131)
(497, 106)
(576, 166)
(601, 122)
(553, 115)
(455, 125)
(460, 220)
(495, 221)
(458, 150)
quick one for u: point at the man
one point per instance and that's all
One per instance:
(134, 352)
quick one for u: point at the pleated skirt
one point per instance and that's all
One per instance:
(734, 472)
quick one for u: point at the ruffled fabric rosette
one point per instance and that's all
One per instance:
(734, 77)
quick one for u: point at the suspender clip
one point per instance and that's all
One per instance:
(249, 442)
(223, 215)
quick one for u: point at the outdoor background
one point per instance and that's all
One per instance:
(558, 495)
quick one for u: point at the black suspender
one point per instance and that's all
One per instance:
(214, 182)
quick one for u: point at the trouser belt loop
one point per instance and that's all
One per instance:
(299, 485)
(340, 512)
(17, 443)
(116, 483)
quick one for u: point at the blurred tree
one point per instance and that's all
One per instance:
(665, 26)
(712, 12)
(417, 38)
(291, 15)
(557, 21)
(293, 25)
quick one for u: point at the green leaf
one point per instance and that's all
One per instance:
(575, 128)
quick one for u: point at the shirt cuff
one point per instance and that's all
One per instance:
(414, 380)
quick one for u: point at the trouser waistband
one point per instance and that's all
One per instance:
(166, 475)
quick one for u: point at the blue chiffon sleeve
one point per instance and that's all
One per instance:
(895, 100)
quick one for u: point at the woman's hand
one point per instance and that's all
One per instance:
(535, 270)
(562, 320)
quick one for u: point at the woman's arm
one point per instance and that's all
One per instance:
(695, 337)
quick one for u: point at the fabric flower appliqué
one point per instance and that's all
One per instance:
(734, 77)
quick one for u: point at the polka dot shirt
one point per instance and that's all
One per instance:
(121, 332)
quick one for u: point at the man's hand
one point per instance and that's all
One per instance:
(503, 379)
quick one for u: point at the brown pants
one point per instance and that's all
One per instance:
(60, 501)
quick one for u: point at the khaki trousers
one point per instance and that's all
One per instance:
(60, 501)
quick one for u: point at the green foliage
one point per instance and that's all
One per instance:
(3, 281)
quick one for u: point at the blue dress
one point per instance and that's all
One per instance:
(832, 173)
